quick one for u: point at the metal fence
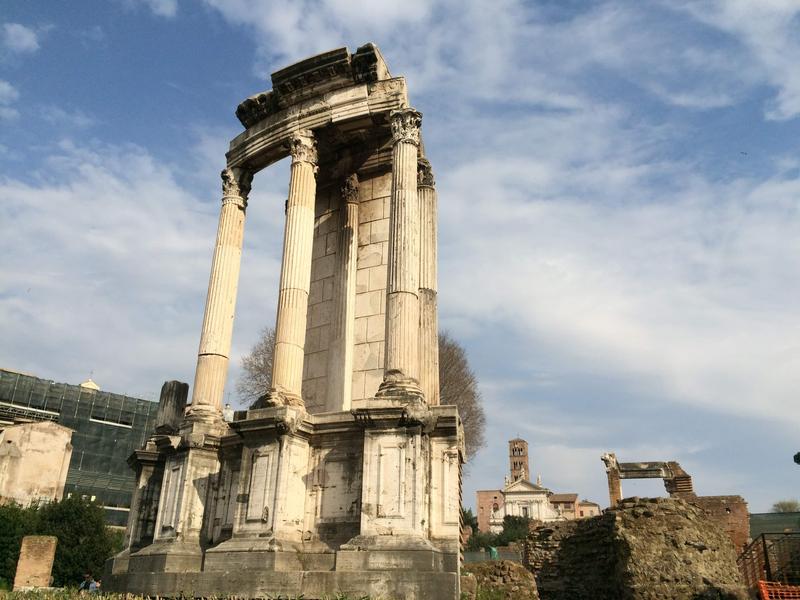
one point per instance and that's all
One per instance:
(771, 557)
(475, 556)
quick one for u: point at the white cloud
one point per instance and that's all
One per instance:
(19, 39)
(162, 8)
(92, 36)
(68, 118)
(566, 217)
(8, 95)
(106, 264)
(769, 30)
(7, 113)
(684, 287)
(104, 253)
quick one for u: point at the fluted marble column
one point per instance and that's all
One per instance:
(215, 339)
(340, 349)
(428, 315)
(401, 368)
(290, 328)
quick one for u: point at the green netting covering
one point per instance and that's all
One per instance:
(107, 429)
(773, 523)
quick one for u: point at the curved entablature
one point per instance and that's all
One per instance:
(353, 93)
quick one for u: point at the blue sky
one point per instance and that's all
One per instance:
(619, 184)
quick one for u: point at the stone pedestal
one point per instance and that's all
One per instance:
(291, 484)
(191, 465)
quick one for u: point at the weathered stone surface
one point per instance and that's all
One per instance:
(171, 406)
(35, 562)
(34, 459)
(503, 579)
(644, 549)
(730, 513)
(215, 337)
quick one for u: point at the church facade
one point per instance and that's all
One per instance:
(522, 498)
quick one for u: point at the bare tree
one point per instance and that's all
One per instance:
(256, 376)
(786, 506)
(457, 383)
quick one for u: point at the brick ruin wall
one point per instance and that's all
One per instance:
(729, 513)
(644, 549)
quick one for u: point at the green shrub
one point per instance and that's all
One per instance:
(84, 541)
(15, 523)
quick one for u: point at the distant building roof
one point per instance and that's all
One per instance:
(563, 498)
(588, 503)
(91, 385)
(17, 372)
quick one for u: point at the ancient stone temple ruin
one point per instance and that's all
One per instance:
(345, 477)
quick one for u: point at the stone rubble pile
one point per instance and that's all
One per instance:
(643, 549)
(503, 579)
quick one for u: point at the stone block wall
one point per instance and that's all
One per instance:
(370, 303)
(320, 298)
(644, 549)
(373, 260)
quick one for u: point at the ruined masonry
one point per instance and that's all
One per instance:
(36, 556)
(345, 477)
(640, 549)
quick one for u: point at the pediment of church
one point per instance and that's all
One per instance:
(525, 486)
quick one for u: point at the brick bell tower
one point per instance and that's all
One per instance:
(518, 459)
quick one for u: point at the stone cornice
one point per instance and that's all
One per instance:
(312, 77)
(265, 142)
(390, 413)
(405, 123)
(276, 420)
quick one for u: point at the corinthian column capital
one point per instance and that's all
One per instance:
(424, 173)
(405, 124)
(236, 186)
(350, 189)
(303, 147)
